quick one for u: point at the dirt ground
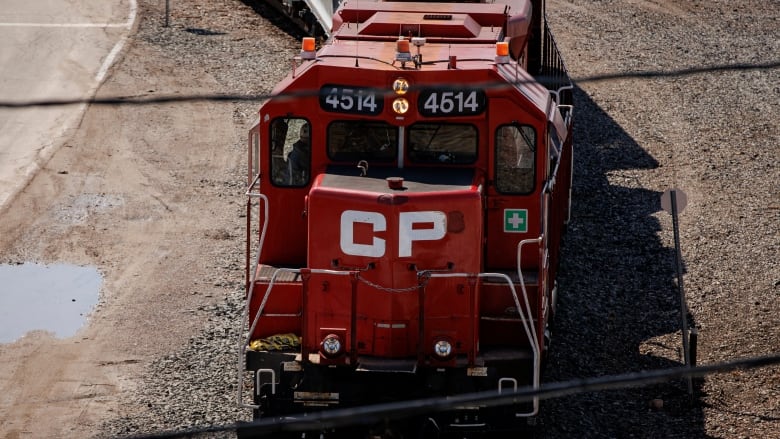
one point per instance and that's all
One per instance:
(148, 195)
(152, 196)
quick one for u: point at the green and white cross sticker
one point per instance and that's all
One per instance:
(515, 220)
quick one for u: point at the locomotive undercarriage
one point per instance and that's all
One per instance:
(286, 387)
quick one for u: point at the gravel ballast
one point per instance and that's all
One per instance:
(689, 107)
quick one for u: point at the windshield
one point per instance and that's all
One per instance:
(362, 140)
(376, 141)
(442, 143)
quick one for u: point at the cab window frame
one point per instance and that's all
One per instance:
(515, 160)
(285, 136)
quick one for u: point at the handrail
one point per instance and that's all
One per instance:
(270, 287)
(556, 94)
(523, 310)
(252, 185)
(244, 342)
(245, 316)
(537, 358)
(526, 316)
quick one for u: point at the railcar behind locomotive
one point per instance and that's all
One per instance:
(404, 214)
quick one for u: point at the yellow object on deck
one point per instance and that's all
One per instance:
(278, 342)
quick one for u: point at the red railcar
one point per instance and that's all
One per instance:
(408, 187)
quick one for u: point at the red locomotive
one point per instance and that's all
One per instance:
(408, 187)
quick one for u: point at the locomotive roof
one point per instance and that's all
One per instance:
(435, 55)
(452, 22)
(365, 33)
(352, 56)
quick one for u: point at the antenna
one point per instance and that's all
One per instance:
(357, 33)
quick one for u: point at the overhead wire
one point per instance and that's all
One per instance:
(169, 99)
(346, 416)
(366, 415)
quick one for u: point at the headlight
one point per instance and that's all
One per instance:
(400, 105)
(331, 345)
(400, 86)
(442, 349)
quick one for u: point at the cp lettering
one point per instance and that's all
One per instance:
(412, 226)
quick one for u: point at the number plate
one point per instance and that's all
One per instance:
(355, 100)
(442, 102)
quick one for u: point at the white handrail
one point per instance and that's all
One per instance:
(523, 310)
(245, 316)
(526, 317)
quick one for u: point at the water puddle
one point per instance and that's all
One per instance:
(55, 298)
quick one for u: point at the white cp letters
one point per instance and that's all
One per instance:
(407, 233)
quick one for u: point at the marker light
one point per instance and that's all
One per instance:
(331, 345)
(502, 48)
(402, 45)
(502, 52)
(307, 48)
(402, 52)
(400, 86)
(442, 349)
(400, 105)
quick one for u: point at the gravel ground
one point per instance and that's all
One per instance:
(712, 134)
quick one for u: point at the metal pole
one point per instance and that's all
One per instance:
(683, 306)
(167, 12)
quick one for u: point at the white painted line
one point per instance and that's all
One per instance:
(133, 11)
(101, 74)
(48, 150)
(99, 25)
(127, 24)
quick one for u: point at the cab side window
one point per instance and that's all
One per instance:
(290, 152)
(254, 162)
(515, 159)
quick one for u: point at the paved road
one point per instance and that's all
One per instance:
(51, 49)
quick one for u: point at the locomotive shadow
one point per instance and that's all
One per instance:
(618, 296)
(267, 10)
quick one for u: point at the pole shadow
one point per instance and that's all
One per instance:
(618, 294)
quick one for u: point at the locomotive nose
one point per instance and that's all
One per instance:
(388, 243)
(390, 222)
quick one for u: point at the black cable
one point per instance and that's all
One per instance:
(367, 415)
(346, 416)
(134, 100)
